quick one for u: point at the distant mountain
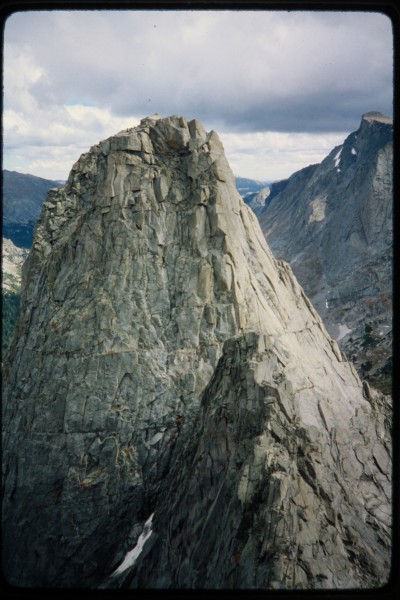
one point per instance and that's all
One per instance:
(23, 197)
(333, 223)
(253, 192)
(245, 186)
(277, 187)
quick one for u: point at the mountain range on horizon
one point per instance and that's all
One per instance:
(22, 200)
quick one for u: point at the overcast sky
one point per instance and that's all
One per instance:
(280, 88)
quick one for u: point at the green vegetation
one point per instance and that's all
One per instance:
(369, 340)
(9, 316)
(11, 283)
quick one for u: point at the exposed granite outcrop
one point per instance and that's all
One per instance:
(11, 265)
(143, 266)
(264, 499)
(333, 223)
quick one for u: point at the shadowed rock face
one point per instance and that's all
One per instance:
(143, 266)
(261, 499)
(333, 223)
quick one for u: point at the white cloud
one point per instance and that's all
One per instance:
(50, 145)
(62, 125)
(263, 156)
(269, 156)
(74, 77)
(19, 69)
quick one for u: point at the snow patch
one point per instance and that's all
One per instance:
(343, 331)
(337, 157)
(353, 151)
(326, 299)
(385, 327)
(156, 438)
(133, 554)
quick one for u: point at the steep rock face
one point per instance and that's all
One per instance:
(264, 499)
(333, 223)
(143, 265)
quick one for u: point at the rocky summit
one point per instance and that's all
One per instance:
(333, 223)
(175, 414)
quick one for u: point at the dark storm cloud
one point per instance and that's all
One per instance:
(318, 113)
(223, 65)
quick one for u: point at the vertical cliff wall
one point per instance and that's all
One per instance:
(333, 223)
(143, 266)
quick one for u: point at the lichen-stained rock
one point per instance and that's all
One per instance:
(266, 498)
(143, 265)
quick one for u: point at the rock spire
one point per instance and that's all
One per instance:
(169, 380)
